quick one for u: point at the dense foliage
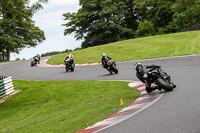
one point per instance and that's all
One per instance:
(186, 13)
(55, 52)
(17, 29)
(99, 22)
(59, 52)
(102, 21)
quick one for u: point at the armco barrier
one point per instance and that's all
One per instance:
(193, 28)
(6, 86)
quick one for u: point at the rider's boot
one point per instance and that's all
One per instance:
(115, 64)
(150, 89)
(174, 85)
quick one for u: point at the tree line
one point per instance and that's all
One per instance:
(97, 22)
(17, 29)
(100, 22)
(59, 52)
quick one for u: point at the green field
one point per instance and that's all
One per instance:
(62, 106)
(6, 62)
(178, 44)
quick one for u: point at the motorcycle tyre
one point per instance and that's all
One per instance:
(72, 68)
(33, 64)
(162, 84)
(115, 70)
(143, 81)
(66, 68)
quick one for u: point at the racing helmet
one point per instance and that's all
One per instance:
(103, 54)
(137, 66)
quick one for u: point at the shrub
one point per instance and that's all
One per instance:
(145, 28)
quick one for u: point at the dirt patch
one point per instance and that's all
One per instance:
(8, 96)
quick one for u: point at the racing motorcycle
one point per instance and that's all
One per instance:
(111, 66)
(154, 74)
(33, 62)
(69, 65)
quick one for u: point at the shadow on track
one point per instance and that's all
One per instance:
(109, 74)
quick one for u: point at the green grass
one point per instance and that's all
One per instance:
(6, 62)
(185, 43)
(62, 106)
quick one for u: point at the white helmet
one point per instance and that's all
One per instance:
(136, 64)
(103, 54)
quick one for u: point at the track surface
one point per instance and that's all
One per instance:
(176, 112)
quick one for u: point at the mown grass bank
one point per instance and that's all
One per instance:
(62, 106)
(6, 62)
(178, 44)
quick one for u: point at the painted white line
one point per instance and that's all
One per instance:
(133, 107)
(142, 98)
(132, 114)
(137, 106)
(143, 92)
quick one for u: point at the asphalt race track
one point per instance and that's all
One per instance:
(176, 112)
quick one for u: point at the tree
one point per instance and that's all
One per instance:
(145, 28)
(37, 5)
(186, 13)
(102, 21)
(17, 29)
(157, 12)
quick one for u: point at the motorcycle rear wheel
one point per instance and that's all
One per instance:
(164, 85)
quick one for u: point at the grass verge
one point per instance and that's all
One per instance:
(62, 106)
(5, 62)
(185, 43)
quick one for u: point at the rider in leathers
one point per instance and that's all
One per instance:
(70, 58)
(103, 60)
(143, 72)
(37, 59)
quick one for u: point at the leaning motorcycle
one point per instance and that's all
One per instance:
(158, 77)
(33, 62)
(69, 65)
(111, 66)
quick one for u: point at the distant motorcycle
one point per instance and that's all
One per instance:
(111, 66)
(154, 74)
(69, 65)
(33, 62)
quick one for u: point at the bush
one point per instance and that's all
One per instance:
(168, 29)
(18, 59)
(145, 28)
(55, 52)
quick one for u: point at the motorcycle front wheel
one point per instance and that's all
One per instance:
(164, 84)
(115, 70)
(66, 68)
(72, 68)
(33, 63)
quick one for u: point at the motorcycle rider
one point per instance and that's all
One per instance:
(144, 72)
(37, 59)
(70, 58)
(103, 60)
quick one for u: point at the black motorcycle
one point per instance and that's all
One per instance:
(33, 62)
(69, 65)
(154, 74)
(111, 66)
